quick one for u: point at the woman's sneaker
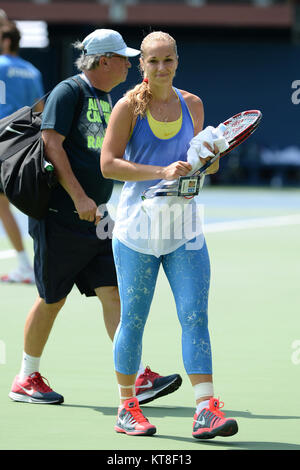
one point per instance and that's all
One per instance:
(131, 420)
(33, 389)
(211, 422)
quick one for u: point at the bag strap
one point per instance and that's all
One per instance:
(79, 102)
(40, 99)
(48, 93)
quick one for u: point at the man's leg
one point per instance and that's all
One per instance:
(29, 386)
(10, 225)
(38, 325)
(110, 300)
(24, 271)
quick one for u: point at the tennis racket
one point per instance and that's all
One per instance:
(238, 128)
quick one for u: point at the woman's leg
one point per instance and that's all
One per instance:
(188, 272)
(137, 274)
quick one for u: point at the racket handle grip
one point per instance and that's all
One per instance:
(208, 164)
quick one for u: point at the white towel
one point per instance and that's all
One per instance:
(197, 149)
(213, 136)
(152, 206)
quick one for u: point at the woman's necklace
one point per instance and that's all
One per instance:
(165, 111)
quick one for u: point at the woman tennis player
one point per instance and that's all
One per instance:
(147, 140)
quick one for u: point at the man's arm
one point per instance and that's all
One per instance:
(56, 154)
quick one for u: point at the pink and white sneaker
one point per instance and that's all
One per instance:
(34, 390)
(131, 420)
(211, 422)
(150, 385)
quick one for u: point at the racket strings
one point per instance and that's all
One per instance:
(239, 125)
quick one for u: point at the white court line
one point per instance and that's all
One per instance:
(224, 227)
(5, 254)
(253, 223)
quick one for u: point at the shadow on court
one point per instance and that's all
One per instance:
(187, 412)
(179, 411)
(194, 444)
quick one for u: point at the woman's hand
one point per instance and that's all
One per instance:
(215, 166)
(175, 170)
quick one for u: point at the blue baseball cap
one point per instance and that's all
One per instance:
(102, 41)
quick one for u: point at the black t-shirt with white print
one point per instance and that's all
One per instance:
(83, 139)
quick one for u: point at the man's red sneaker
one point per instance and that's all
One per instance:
(151, 385)
(33, 389)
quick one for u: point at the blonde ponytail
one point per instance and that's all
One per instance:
(139, 98)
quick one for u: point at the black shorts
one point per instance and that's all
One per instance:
(70, 253)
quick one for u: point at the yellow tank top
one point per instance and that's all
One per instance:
(164, 130)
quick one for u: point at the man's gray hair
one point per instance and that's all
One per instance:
(86, 62)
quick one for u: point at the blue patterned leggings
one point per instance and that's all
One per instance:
(188, 273)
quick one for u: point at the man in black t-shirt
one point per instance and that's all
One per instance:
(67, 250)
